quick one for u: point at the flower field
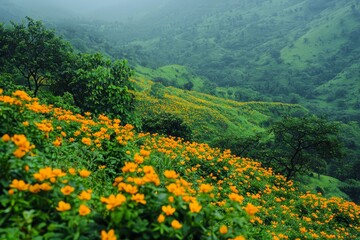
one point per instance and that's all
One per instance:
(71, 176)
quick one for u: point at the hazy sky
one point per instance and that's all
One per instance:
(97, 9)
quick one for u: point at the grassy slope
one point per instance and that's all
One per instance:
(211, 117)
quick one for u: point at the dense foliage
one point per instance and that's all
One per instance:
(42, 59)
(70, 176)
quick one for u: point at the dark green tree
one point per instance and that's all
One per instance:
(167, 124)
(33, 51)
(302, 144)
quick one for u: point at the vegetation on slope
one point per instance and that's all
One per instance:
(68, 176)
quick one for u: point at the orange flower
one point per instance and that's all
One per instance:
(128, 188)
(139, 198)
(45, 187)
(168, 210)
(138, 158)
(144, 153)
(223, 229)
(57, 142)
(19, 185)
(84, 173)
(5, 138)
(63, 206)
(85, 195)
(113, 201)
(72, 171)
(34, 188)
(195, 207)
(171, 174)
(236, 197)
(205, 188)
(44, 173)
(251, 209)
(129, 167)
(239, 238)
(86, 141)
(161, 218)
(22, 95)
(67, 190)
(84, 210)
(175, 224)
(108, 235)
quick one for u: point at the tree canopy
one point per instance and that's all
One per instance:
(33, 51)
(301, 144)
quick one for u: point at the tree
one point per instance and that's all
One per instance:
(33, 51)
(302, 144)
(102, 86)
(167, 124)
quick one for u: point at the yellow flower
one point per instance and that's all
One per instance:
(113, 201)
(108, 235)
(85, 195)
(251, 209)
(195, 207)
(223, 229)
(63, 206)
(67, 190)
(19, 185)
(168, 210)
(26, 123)
(175, 224)
(84, 173)
(139, 198)
(1, 91)
(170, 174)
(161, 218)
(84, 210)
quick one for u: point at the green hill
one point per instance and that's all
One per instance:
(211, 117)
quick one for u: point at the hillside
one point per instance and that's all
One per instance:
(68, 176)
(209, 117)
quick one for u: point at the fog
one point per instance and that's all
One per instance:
(110, 10)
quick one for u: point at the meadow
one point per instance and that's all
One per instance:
(72, 176)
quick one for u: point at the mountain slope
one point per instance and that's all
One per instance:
(74, 176)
